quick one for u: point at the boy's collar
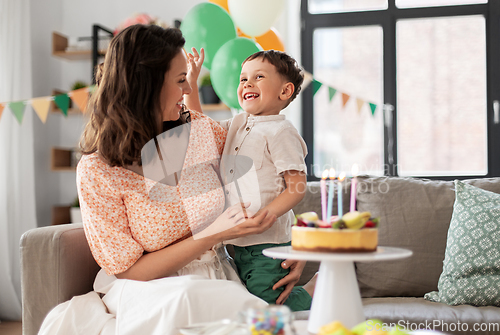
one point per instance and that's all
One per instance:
(258, 118)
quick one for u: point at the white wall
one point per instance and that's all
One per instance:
(75, 18)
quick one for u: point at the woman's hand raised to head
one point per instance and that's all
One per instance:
(195, 61)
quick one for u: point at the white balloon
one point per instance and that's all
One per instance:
(255, 17)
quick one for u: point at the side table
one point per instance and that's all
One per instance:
(336, 296)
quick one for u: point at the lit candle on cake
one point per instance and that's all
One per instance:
(339, 197)
(354, 184)
(323, 195)
(330, 195)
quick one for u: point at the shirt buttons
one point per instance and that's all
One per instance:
(236, 149)
(231, 171)
(247, 128)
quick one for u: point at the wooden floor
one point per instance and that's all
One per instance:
(10, 328)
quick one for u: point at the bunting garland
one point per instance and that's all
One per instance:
(345, 98)
(42, 105)
(62, 101)
(331, 93)
(17, 109)
(360, 104)
(373, 107)
(316, 85)
(80, 97)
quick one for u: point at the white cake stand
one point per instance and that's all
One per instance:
(336, 296)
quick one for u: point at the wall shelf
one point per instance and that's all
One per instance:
(60, 44)
(61, 215)
(63, 159)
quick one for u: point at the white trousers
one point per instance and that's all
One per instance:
(208, 289)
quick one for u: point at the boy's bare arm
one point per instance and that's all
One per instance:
(296, 183)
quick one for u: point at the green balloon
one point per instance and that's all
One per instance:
(207, 26)
(226, 68)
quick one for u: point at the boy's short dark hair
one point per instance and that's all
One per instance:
(285, 65)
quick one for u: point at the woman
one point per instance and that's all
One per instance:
(140, 229)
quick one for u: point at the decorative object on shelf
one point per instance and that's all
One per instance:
(78, 44)
(208, 95)
(78, 84)
(75, 212)
(141, 18)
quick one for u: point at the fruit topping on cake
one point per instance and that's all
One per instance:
(353, 232)
(351, 220)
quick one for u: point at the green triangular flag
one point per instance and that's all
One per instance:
(373, 107)
(17, 109)
(62, 101)
(316, 86)
(331, 92)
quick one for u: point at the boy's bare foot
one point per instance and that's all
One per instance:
(311, 284)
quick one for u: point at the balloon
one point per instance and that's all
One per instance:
(257, 16)
(207, 26)
(242, 34)
(226, 68)
(271, 40)
(222, 3)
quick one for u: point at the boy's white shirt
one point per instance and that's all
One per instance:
(274, 146)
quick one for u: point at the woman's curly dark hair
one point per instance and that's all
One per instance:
(125, 109)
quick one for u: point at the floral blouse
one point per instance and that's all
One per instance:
(125, 214)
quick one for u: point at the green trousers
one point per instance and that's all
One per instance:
(260, 273)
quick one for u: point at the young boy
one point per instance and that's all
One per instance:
(269, 81)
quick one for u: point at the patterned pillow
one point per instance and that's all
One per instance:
(471, 267)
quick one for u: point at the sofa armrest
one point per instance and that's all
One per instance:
(56, 264)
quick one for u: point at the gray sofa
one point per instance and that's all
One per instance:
(415, 214)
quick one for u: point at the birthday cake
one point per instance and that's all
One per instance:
(353, 232)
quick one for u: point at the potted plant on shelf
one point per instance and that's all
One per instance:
(78, 84)
(75, 212)
(208, 95)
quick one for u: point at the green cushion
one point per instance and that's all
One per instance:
(471, 267)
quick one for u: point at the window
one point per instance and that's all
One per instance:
(336, 6)
(441, 96)
(428, 67)
(348, 133)
(425, 3)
